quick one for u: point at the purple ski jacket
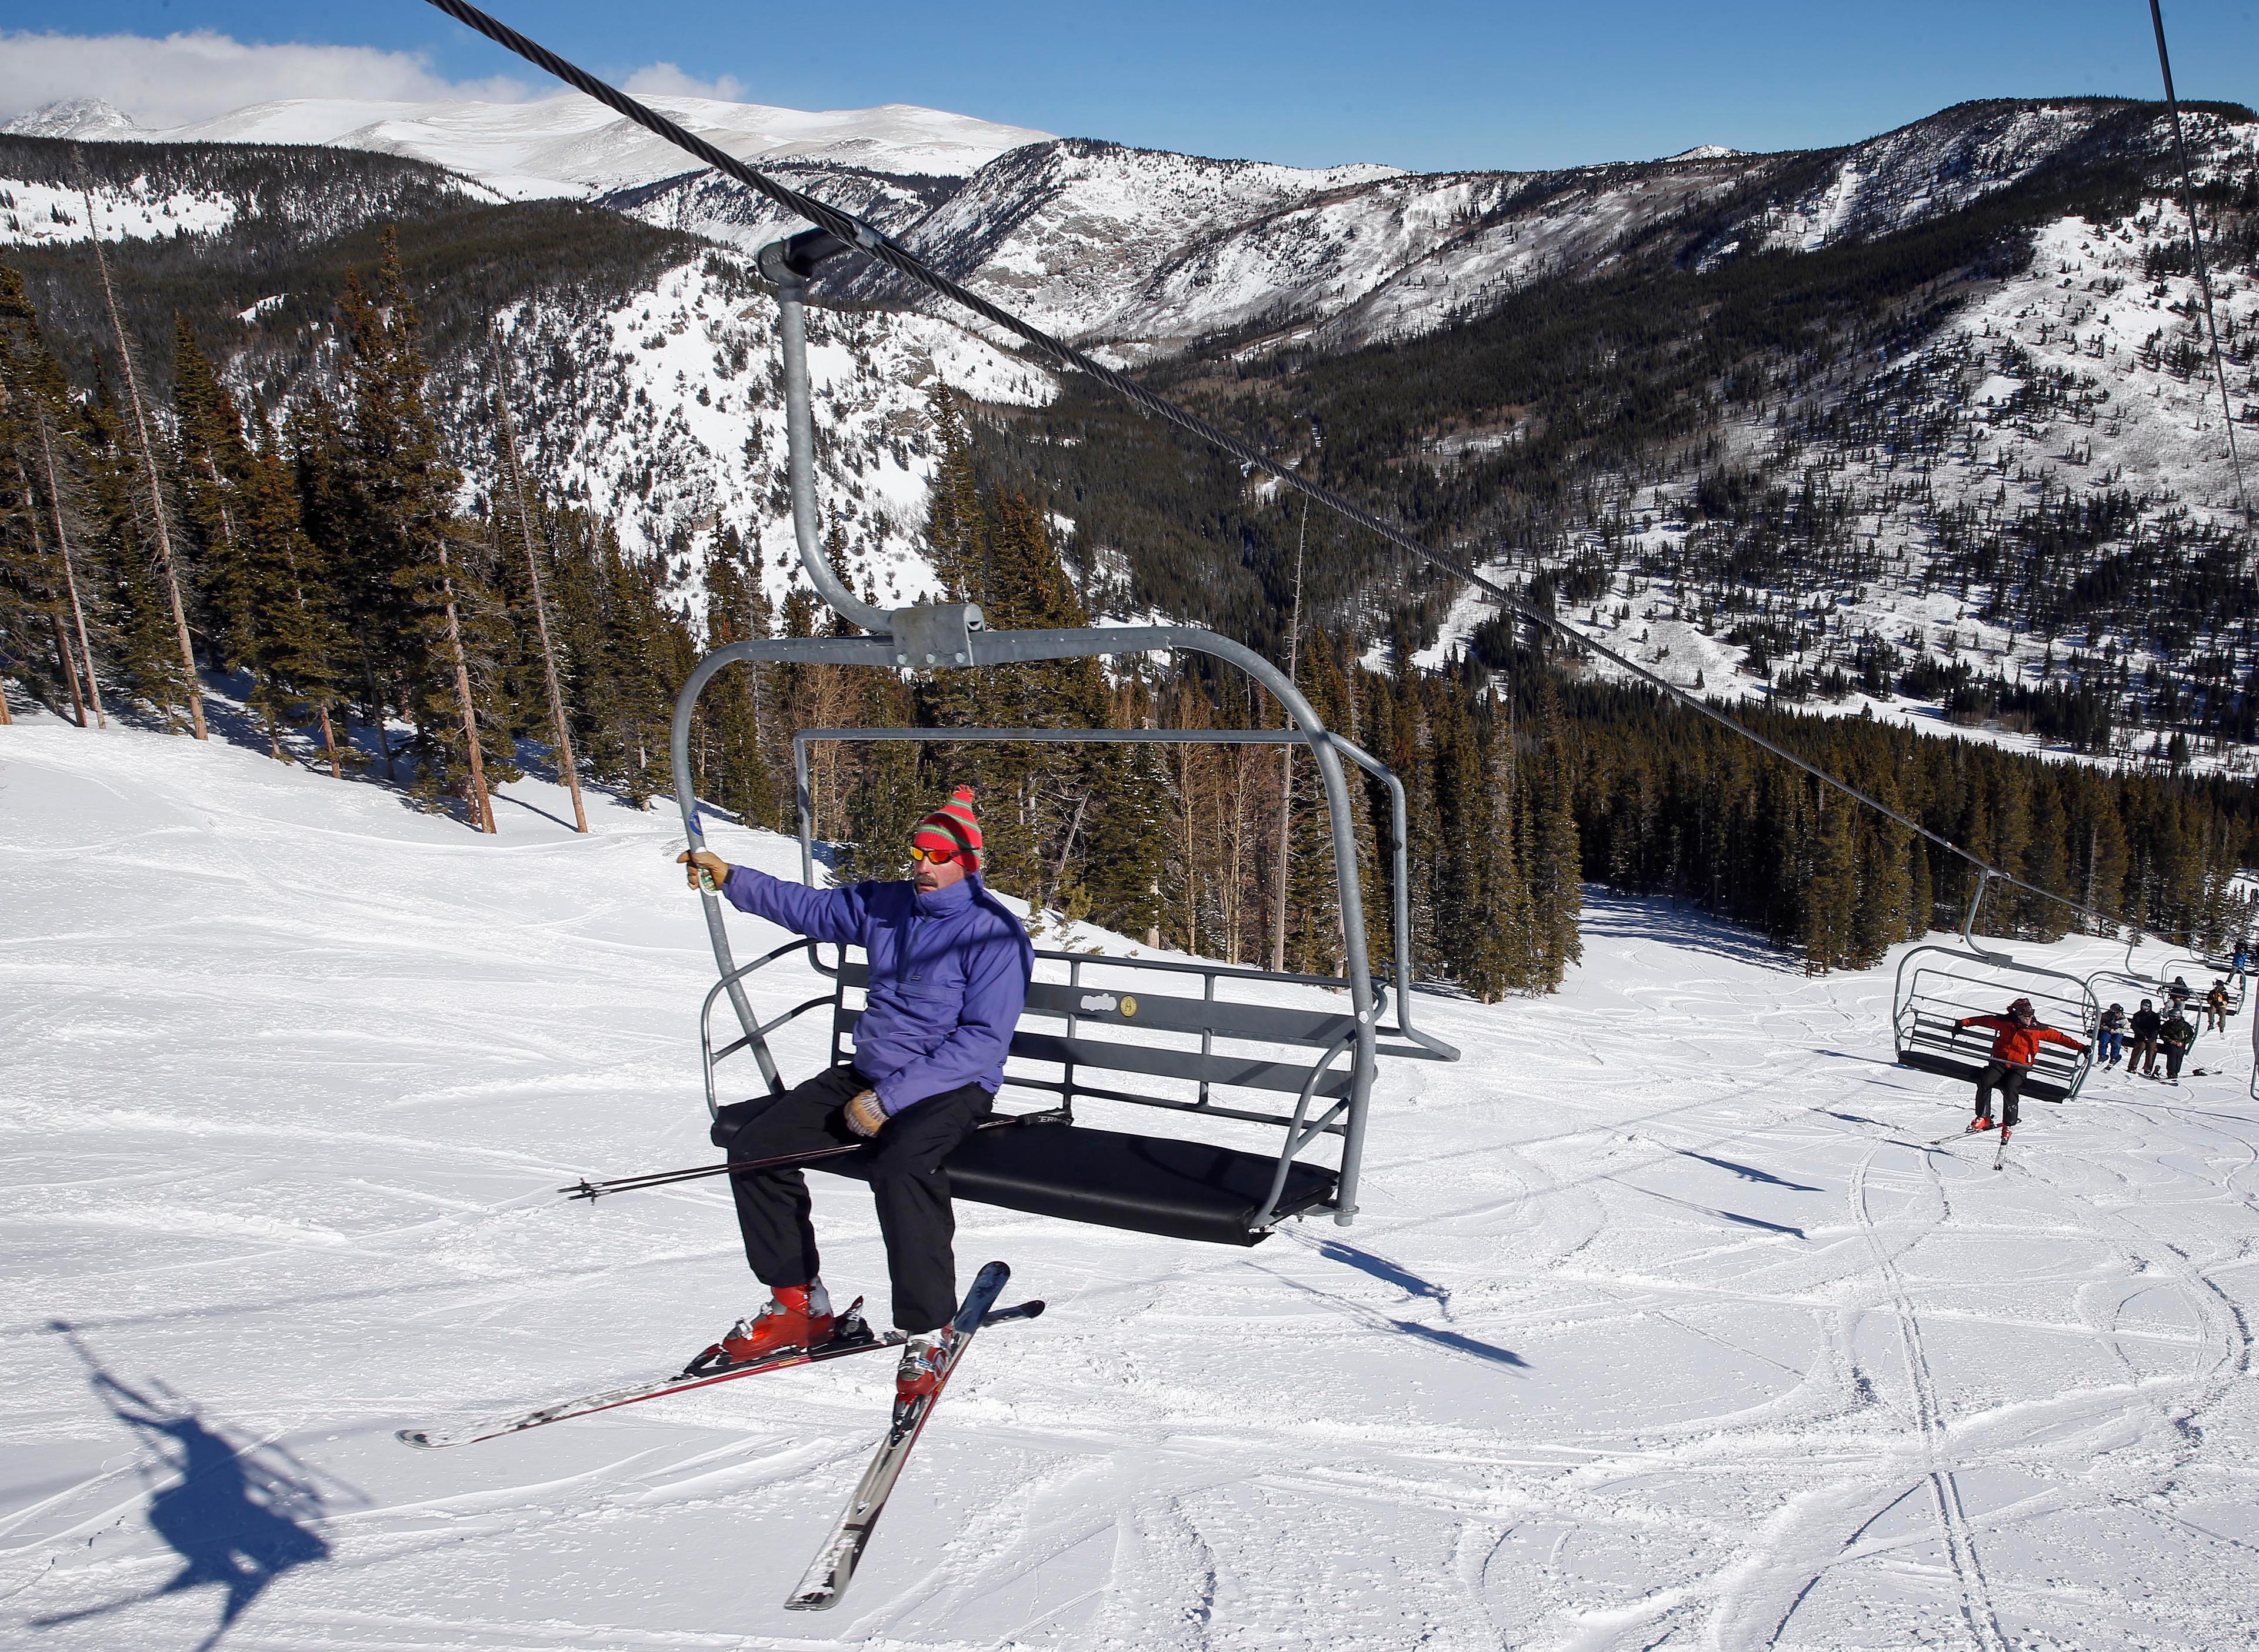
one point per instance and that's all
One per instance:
(949, 975)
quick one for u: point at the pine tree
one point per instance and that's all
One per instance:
(401, 491)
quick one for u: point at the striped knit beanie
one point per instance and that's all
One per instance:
(951, 826)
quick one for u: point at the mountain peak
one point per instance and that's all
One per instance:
(93, 118)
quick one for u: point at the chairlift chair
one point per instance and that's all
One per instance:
(1939, 985)
(1174, 1034)
(2201, 972)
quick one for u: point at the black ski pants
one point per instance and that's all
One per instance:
(907, 1178)
(2175, 1054)
(2008, 1078)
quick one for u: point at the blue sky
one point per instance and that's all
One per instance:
(1425, 83)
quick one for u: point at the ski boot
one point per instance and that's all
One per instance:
(2006, 1132)
(1982, 1122)
(796, 1319)
(919, 1374)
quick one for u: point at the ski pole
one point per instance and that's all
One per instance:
(586, 1189)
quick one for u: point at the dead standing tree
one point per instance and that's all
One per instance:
(148, 467)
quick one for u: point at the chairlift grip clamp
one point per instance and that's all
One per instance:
(935, 634)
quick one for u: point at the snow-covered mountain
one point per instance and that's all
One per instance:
(2065, 374)
(570, 144)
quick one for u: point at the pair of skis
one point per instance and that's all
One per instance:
(2000, 1154)
(828, 1575)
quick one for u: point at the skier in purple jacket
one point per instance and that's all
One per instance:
(950, 967)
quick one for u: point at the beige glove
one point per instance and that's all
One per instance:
(708, 870)
(864, 1114)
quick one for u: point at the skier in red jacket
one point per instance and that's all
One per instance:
(2017, 1039)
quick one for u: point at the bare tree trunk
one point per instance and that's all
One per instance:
(70, 578)
(565, 761)
(69, 666)
(149, 468)
(330, 744)
(481, 809)
(1287, 767)
(65, 666)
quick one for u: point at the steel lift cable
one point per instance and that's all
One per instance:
(849, 232)
(2196, 247)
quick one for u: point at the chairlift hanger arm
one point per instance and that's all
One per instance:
(850, 231)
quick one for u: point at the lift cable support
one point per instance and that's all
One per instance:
(2196, 247)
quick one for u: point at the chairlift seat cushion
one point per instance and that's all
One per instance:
(2038, 1084)
(1180, 1190)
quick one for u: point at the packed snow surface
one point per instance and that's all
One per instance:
(1664, 1325)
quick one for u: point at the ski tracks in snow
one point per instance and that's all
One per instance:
(1658, 1329)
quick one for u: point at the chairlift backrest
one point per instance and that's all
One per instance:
(1938, 986)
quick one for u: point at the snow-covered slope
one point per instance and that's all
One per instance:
(1066, 233)
(34, 213)
(1663, 1325)
(571, 145)
(1933, 166)
(671, 423)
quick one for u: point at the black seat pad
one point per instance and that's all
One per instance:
(2038, 1085)
(1180, 1190)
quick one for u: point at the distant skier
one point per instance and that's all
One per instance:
(2110, 1036)
(949, 973)
(2178, 994)
(2018, 1037)
(2240, 962)
(2215, 1008)
(2145, 1026)
(2175, 1037)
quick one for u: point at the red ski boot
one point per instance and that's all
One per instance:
(1984, 1122)
(2006, 1132)
(795, 1318)
(919, 1374)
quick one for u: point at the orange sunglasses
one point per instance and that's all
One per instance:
(939, 857)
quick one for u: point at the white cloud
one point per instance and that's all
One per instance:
(191, 77)
(666, 79)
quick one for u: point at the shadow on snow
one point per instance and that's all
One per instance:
(238, 1516)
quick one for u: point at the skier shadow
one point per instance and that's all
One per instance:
(238, 1516)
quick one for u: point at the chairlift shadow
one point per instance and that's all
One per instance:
(238, 1516)
(1751, 1173)
(1381, 1268)
(1680, 925)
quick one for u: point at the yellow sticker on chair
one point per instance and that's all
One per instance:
(1129, 1005)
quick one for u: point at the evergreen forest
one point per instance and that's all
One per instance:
(281, 540)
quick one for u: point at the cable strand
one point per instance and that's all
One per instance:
(2196, 247)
